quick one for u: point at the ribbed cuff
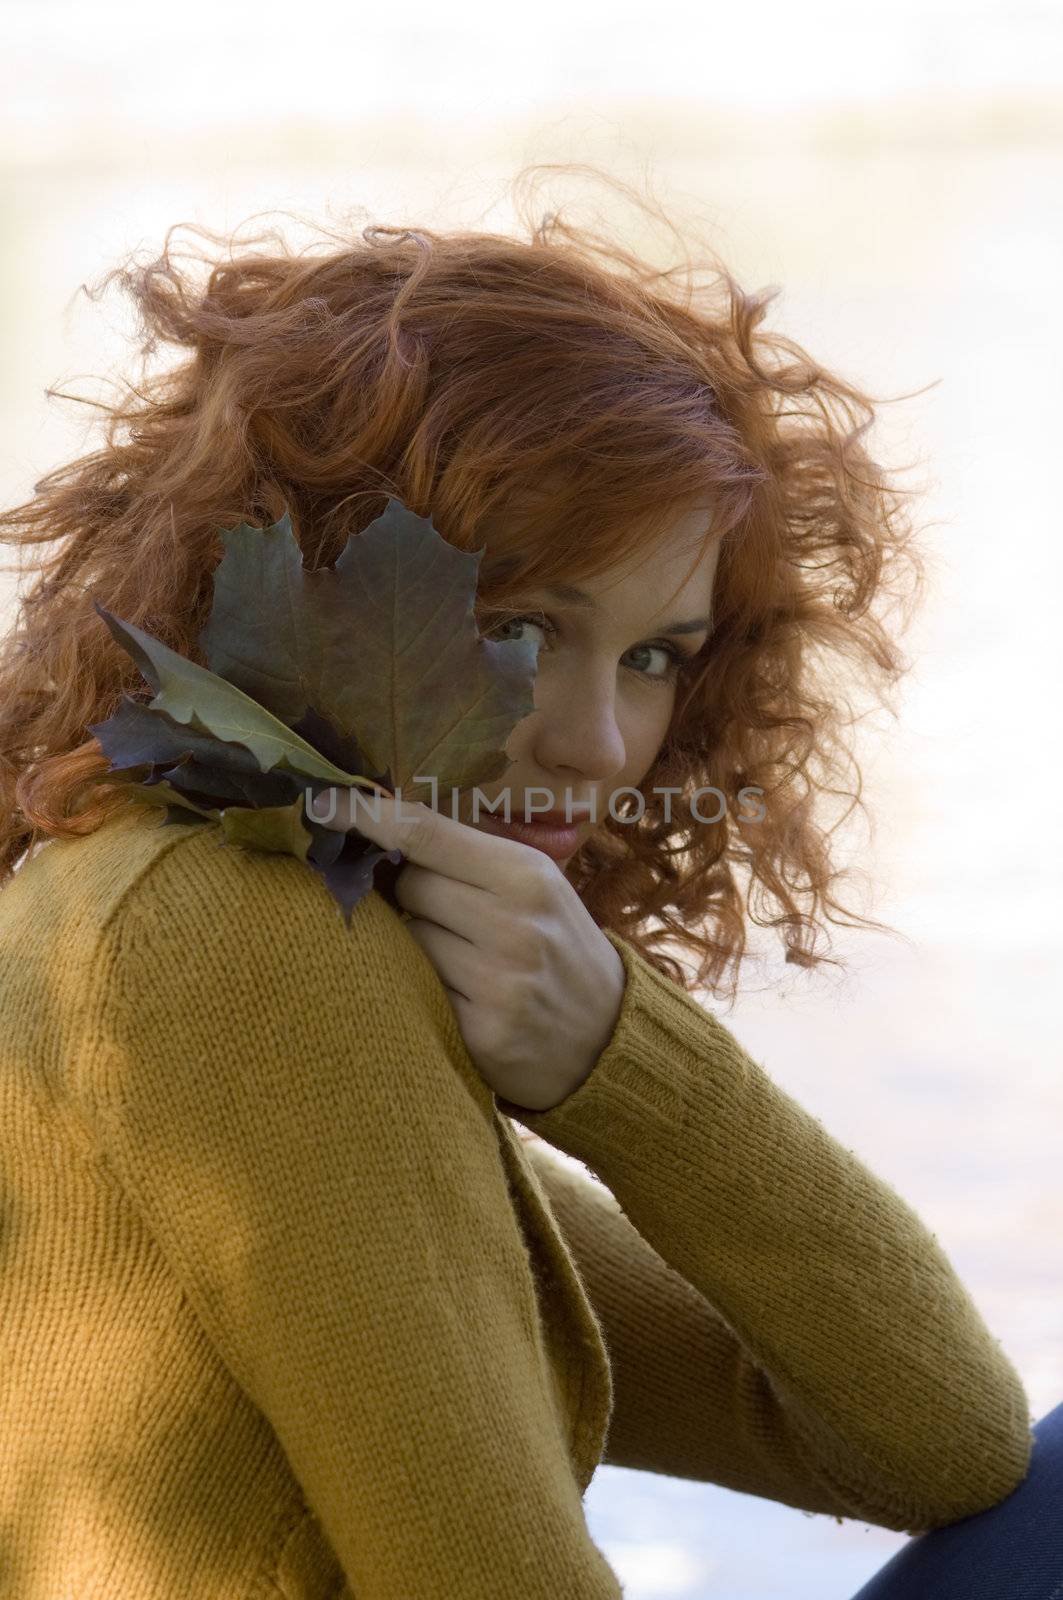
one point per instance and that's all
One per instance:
(639, 1076)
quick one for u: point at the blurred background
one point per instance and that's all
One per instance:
(897, 172)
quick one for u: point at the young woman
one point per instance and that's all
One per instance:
(286, 1305)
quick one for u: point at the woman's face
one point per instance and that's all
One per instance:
(605, 683)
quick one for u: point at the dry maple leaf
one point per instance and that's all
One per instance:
(369, 673)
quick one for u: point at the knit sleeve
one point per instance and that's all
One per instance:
(778, 1319)
(289, 1105)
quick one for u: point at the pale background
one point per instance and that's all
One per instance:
(899, 174)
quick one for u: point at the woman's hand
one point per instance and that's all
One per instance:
(535, 984)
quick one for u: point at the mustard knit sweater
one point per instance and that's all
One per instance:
(288, 1309)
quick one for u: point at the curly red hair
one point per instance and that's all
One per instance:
(455, 370)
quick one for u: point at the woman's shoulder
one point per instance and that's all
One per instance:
(135, 865)
(181, 901)
(168, 942)
(81, 883)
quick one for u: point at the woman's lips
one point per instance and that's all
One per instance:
(559, 841)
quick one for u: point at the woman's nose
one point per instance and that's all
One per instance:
(576, 727)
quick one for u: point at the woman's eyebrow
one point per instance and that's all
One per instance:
(570, 595)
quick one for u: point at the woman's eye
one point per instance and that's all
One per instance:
(517, 622)
(673, 660)
(672, 657)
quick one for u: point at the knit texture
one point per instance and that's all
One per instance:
(287, 1308)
